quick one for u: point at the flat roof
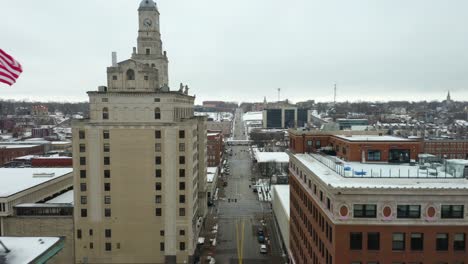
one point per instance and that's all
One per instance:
(253, 116)
(14, 180)
(395, 175)
(27, 249)
(278, 157)
(211, 173)
(283, 195)
(371, 138)
(17, 146)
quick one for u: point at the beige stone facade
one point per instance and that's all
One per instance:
(139, 163)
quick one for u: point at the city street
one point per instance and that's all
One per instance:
(240, 212)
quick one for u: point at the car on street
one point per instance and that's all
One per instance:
(260, 231)
(263, 249)
(261, 239)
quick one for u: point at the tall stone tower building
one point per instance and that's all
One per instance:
(139, 162)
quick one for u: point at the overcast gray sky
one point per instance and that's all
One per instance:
(244, 50)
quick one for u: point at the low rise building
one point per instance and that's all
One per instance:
(364, 146)
(211, 181)
(448, 148)
(215, 148)
(353, 212)
(9, 152)
(280, 205)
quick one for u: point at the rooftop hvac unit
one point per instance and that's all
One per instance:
(43, 175)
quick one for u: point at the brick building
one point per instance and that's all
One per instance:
(344, 212)
(48, 162)
(453, 149)
(370, 147)
(10, 152)
(215, 148)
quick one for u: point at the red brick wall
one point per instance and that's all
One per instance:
(9, 154)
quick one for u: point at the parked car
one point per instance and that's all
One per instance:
(260, 231)
(263, 249)
(261, 239)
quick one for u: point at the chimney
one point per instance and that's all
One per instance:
(114, 59)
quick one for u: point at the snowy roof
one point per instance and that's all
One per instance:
(66, 197)
(398, 175)
(14, 180)
(60, 142)
(371, 138)
(283, 195)
(211, 173)
(17, 146)
(251, 116)
(26, 249)
(278, 157)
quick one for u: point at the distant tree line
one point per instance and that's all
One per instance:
(10, 107)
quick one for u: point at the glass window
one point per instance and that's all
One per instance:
(408, 211)
(83, 200)
(107, 186)
(181, 198)
(161, 232)
(158, 160)
(82, 148)
(114, 77)
(106, 160)
(83, 187)
(181, 133)
(365, 210)
(106, 147)
(107, 174)
(105, 134)
(108, 246)
(81, 134)
(373, 155)
(84, 213)
(373, 241)
(107, 199)
(181, 159)
(459, 242)
(158, 186)
(107, 212)
(157, 134)
(82, 174)
(105, 113)
(181, 172)
(181, 146)
(78, 233)
(182, 245)
(442, 241)
(158, 199)
(181, 211)
(417, 241)
(398, 241)
(157, 113)
(157, 147)
(355, 241)
(158, 173)
(130, 75)
(161, 246)
(452, 211)
(158, 211)
(108, 233)
(181, 186)
(82, 160)
(182, 232)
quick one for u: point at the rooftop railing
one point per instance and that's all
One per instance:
(390, 171)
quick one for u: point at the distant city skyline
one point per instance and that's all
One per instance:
(243, 50)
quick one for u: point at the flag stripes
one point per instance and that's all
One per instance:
(10, 69)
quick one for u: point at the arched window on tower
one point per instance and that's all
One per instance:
(105, 113)
(130, 74)
(157, 113)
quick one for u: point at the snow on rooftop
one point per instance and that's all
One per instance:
(66, 197)
(335, 180)
(14, 180)
(283, 195)
(253, 116)
(25, 249)
(371, 138)
(17, 146)
(278, 157)
(211, 173)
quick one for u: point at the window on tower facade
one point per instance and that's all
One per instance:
(157, 113)
(105, 113)
(148, 51)
(130, 75)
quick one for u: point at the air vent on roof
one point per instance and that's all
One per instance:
(43, 175)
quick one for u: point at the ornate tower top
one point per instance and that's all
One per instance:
(148, 4)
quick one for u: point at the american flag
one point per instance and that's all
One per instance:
(10, 69)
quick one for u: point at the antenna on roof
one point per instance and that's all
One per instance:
(334, 96)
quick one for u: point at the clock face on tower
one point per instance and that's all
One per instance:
(147, 22)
